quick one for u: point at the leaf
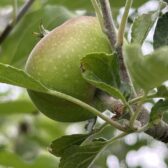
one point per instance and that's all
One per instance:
(18, 106)
(158, 110)
(98, 70)
(9, 2)
(81, 156)
(10, 159)
(142, 25)
(86, 4)
(60, 145)
(18, 77)
(149, 71)
(16, 48)
(161, 33)
(162, 91)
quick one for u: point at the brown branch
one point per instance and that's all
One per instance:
(11, 25)
(110, 31)
(109, 27)
(159, 131)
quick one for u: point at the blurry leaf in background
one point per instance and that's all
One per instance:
(9, 2)
(143, 69)
(142, 25)
(20, 42)
(86, 4)
(10, 159)
(161, 33)
(17, 106)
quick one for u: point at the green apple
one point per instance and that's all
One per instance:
(55, 62)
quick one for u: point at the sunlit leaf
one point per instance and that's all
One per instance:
(142, 25)
(148, 71)
(100, 70)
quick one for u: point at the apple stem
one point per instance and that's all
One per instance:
(87, 107)
(121, 31)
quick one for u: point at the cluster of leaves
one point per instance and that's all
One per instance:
(99, 69)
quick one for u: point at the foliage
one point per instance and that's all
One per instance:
(25, 134)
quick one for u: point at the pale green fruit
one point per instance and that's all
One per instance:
(55, 62)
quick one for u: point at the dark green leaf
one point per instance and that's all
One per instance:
(60, 145)
(149, 71)
(81, 156)
(21, 41)
(162, 91)
(158, 110)
(142, 25)
(161, 33)
(98, 69)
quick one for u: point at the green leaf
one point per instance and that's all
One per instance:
(149, 71)
(18, 106)
(18, 45)
(9, 2)
(161, 33)
(10, 159)
(86, 4)
(158, 110)
(81, 156)
(60, 145)
(142, 25)
(100, 70)
(18, 77)
(162, 91)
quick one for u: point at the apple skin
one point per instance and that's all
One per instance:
(55, 62)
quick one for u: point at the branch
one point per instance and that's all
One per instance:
(110, 31)
(159, 131)
(109, 27)
(11, 25)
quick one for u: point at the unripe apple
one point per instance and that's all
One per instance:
(55, 62)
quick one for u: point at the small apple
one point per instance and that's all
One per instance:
(55, 62)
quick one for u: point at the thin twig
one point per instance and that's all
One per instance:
(122, 26)
(11, 25)
(109, 27)
(110, 30)
(98, 12)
